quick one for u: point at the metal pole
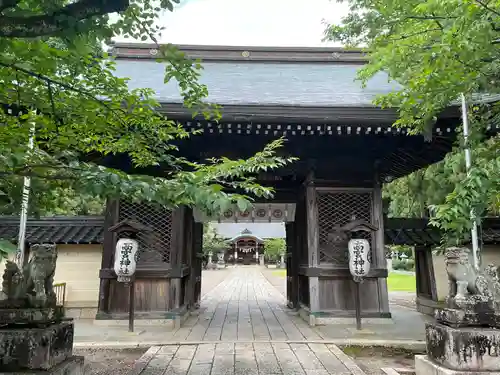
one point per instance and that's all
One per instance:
(19, 259)
(357, 301)
(468, 162)
(131, 307)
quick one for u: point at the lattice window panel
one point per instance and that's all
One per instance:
(154, 246)
(336, 209)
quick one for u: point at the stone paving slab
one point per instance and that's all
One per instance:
(242, 305)
(246, 359)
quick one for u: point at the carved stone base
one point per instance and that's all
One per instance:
(464, 349)
(72, 366)
(424, 366)
(460, 318)
(23, 349)
(30, 316)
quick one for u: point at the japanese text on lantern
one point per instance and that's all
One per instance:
(125, 259)
(358, 257)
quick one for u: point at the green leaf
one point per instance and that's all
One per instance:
(6, 248)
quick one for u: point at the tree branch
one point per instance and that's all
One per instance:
(64, 85)
(488, 8)
(59, 20)
(7, 4)
(406, 36)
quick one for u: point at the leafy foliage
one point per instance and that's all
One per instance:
(402, 249)
(403, 265)
(6, 248)
(274, 248)
(53, 67)
(212, 240)
(436, 50)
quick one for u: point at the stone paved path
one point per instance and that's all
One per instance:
(246, 359)
(244, 307)
(240, 304)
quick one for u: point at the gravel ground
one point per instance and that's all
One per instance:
(373, 359)
(109, 362)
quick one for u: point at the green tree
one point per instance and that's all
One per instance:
(274, 248)
(213, 242)
(6, 249)
(437, 50)
(53, 67)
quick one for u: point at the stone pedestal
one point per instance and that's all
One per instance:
(261, 260)
(468, 318)
(424, 366)
(210, 264)
(35, 338)
(37, 347)
(220, 261)
(282, 261)
(37, 341)
(465, 348)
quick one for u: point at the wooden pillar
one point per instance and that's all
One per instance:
(427, 298)
(378, 253)
(108, 249)
(189, 259)
(302, 250)
(176, 256)
(198, 260)
(312, 246)
(292, 266)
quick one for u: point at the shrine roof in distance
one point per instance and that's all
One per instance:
(308, 95)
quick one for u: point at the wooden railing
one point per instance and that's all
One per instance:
(60, 290)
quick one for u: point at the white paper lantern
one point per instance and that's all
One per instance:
(359, 266)
(125, 259)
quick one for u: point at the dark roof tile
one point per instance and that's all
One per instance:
(89, 230)
(264, 83)
(61, 230)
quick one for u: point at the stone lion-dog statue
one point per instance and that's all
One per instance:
(33, 287)
(468, 286)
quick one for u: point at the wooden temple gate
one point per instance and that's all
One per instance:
(346, 150)
(168, 277)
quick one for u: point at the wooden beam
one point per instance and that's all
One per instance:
(109, 242)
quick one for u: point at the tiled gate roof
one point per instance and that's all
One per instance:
(61, 230)
(89, 230)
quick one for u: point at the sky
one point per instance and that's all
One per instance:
(297, 23)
